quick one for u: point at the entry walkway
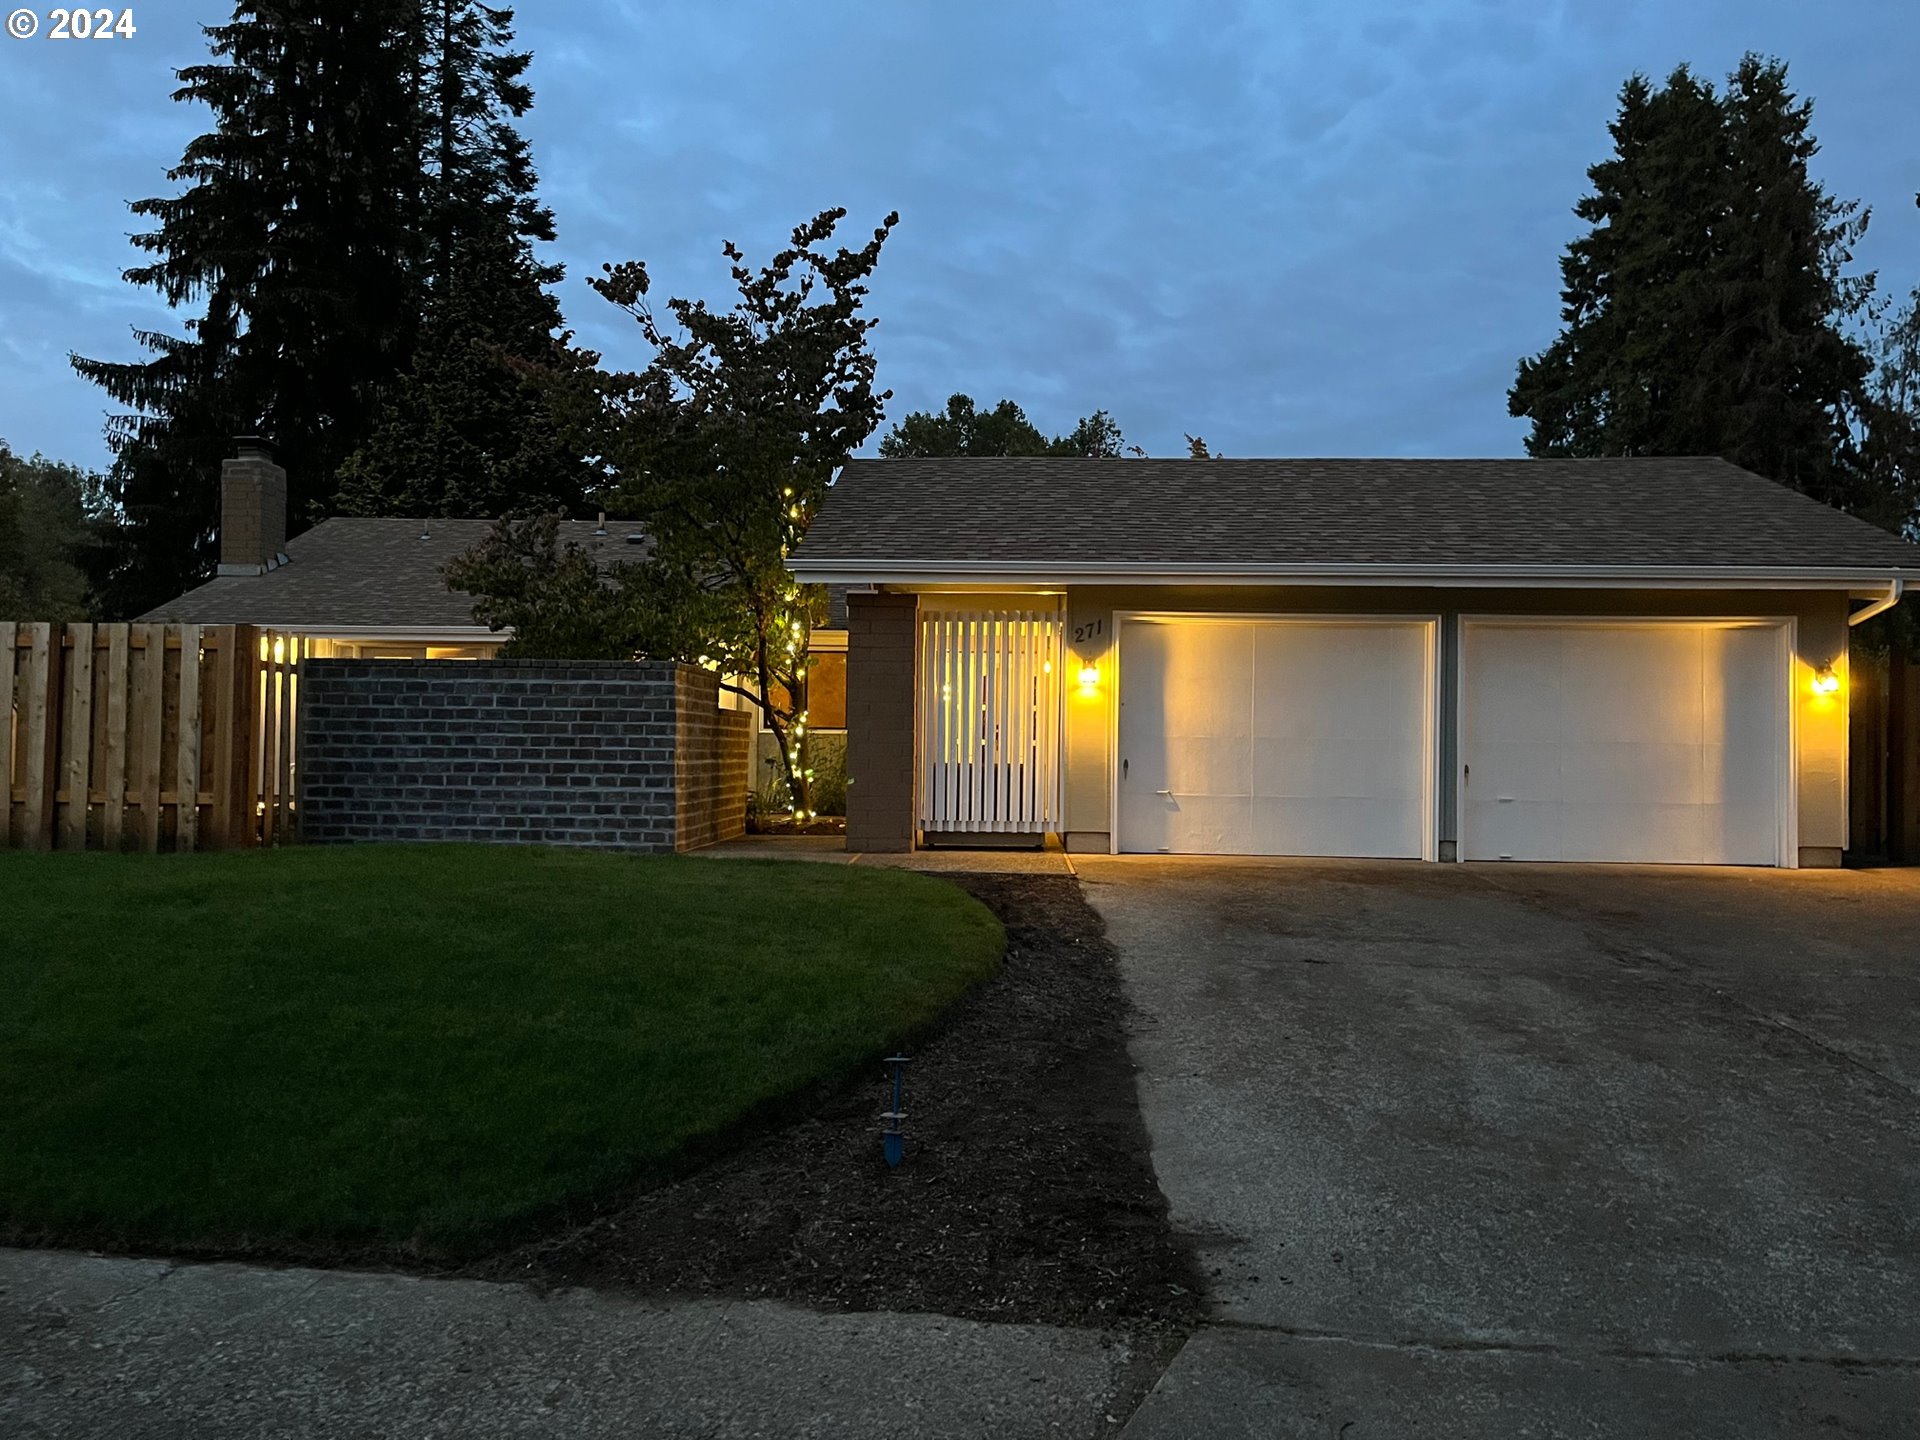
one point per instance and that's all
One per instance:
(832, 850)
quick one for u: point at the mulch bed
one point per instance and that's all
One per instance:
(1027, 1193)
(785, 825)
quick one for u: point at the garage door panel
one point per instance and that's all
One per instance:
(1207, 669)
(1315, 682)
(1342, 826)
(1604, 686)
(1295, 737)
(1508, 670)
(1509, 770)
(1617, 772)
(1654, 742)
(1335, 768)
(1208, 765)
(1208, 825)
(1739, 699)
(1528, 828)
(1633, 834)
(1740, 832)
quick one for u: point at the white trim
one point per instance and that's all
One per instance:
(1790, 797)
(1787, 804)
(1430, 764)
(415, 634)
(875, 573)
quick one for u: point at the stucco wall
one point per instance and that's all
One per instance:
(1820, 721)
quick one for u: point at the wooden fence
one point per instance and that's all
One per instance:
(1883, 756)
(147, 737)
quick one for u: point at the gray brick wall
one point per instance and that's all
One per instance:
(595, 753)
(710, 762)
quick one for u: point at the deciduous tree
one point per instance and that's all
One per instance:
(721, 448)
(964, 429)
(47, 531)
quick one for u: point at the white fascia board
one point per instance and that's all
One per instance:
(411, 634)
(911, 574)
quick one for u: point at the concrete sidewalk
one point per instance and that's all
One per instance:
(91, 1346)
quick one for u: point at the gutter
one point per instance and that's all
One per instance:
(1895, 589)
(985, 574)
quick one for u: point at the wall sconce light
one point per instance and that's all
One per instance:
(1089, 677)
(1825, 682)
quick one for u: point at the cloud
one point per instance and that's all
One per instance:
(1325, 227)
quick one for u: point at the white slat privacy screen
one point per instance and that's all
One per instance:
(990, 721)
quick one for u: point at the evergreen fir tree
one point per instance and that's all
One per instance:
(363, 193)
(476, 427)
(293, 235)
(1707, 311)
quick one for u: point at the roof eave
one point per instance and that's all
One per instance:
(828, 570)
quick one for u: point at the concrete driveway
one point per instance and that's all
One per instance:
(1531, 1150)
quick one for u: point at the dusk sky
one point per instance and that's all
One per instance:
(1324, 227)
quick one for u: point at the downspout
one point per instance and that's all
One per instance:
(1895, 589)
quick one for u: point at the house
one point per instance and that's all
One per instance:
(373, 588)
(1602, 660)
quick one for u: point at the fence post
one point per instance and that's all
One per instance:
(216, 648)
(149, 718)
(186, 783)
(76, 735)
(114, 753)
(9, 633)
(249, 728)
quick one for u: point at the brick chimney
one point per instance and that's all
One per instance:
(253, 509)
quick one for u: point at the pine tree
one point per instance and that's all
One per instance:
(1707, 311)
(292, 234)
(361, 189)
(477, 426)
(479, 170)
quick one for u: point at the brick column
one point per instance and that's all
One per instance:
(882, 639)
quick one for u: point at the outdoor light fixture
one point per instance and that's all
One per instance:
(1825, 682)
(1089, 676)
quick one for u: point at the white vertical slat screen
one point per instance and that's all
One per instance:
(989, 742)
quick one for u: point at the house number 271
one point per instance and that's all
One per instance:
(1091, 630)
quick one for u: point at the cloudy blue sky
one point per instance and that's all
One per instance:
(1323, 227)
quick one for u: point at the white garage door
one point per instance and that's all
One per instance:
(1648, 742)
(1275, 737)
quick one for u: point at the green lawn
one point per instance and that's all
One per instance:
(424, 1046)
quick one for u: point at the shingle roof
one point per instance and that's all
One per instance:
(1005, 514)
(353, 572)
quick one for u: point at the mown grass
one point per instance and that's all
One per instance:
(422, 1047)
